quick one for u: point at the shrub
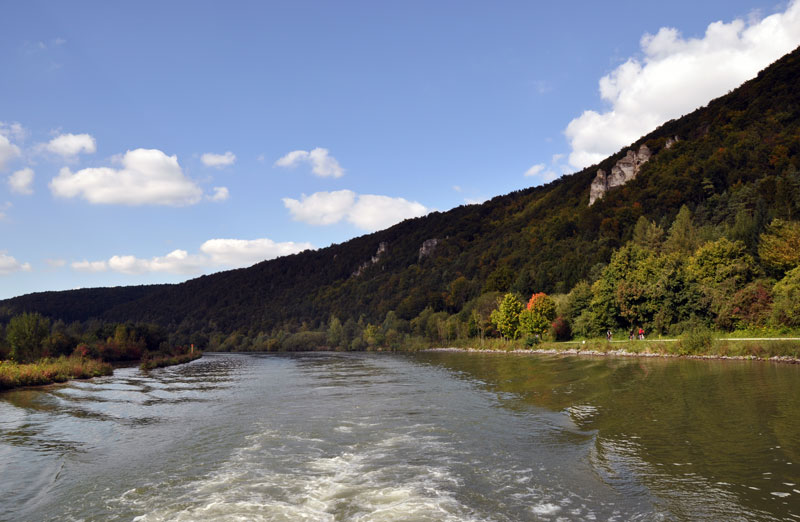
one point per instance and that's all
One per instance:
(697, 340)
(561, 330)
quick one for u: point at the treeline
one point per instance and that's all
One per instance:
(30, 337)
(665, 282)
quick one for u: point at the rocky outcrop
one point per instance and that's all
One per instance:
(670, 142)
(427, 248)
(383, 247)
(623, 171)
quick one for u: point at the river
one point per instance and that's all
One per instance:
(431, 436)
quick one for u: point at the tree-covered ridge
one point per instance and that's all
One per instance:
(735, 168)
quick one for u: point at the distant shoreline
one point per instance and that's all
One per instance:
(620, 353)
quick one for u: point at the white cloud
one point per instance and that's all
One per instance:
(176, 262)
(21, 181)
(321, 163)
(218, 160)
(244, 252)
(147, 177)
(10, 265)
(89, 266)
(321, 208)
(366, 211)
(13, 130)
(231, 253)
(70, 145)
(220, 194)
(536, 169)
(8, 151)
(676, 76)
(541, 173)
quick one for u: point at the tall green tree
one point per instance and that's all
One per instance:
(647, 234)
(786, 294)
(682, 237)
(25, 334)
(779, 248)
(506, 317)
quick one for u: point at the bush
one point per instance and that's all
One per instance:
(696, 341)
(560, 330)
(305, 341)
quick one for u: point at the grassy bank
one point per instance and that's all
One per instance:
(700, 343)
(169, 360)
(48, 371)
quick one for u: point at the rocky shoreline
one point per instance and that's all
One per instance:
(622, 353)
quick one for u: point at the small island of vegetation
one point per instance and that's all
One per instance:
(34, 351)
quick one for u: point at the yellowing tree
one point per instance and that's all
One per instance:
(779, 248)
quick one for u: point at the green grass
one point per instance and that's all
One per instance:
(169, 360)
(48, 371)
(698, 342)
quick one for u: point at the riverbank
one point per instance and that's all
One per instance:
(774, 350)
(49, 371)
(169, 360)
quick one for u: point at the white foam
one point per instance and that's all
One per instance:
(357, 484)
(546, 509)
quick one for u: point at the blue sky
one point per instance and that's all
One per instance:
(149, 142)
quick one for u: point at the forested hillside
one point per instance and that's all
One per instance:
(733, 171)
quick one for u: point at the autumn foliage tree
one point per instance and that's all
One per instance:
(537, 317)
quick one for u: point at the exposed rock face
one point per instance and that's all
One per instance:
(670, 142)
(625, 170)
(383, 247)
(427, 248)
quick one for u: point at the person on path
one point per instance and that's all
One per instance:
(608, 335)
(641, 333)
(630, 336)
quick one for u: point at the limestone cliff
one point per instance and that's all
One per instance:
(383, 247)
(623, 171)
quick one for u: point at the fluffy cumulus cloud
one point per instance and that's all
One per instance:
(21, 181)
(147, 177)
(70, 145)
(675, 76)
(176, 262)
(9, 265)
(366, 211)
(218, 160)
(214, 253)
(245, 252)
(8, 151)
(322, 164)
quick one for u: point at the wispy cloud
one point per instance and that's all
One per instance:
(218, 160)
(9, 265)
(322, 163)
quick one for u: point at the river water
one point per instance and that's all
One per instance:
(433, 436)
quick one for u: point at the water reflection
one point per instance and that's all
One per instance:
(673, 427)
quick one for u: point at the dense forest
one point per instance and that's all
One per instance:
(708, 233)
